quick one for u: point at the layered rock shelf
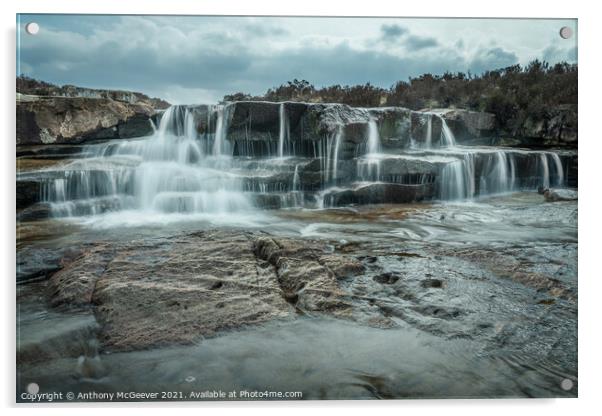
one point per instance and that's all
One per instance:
(250, 154)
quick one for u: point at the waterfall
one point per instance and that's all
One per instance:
(192, 165)
(296, 180)
(284, 132)
(558, 168)
(337, 145)
(328, 152)
(447, 137)
(167, 172)
(369, 169)
(452, 181)
(189, 127)
(545, 170)
(428, 139)
(458, 179)
(498, 176)
(221, 130)
(373, 142)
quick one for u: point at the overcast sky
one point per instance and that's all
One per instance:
(200, 59)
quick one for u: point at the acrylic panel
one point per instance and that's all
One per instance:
(291, 208)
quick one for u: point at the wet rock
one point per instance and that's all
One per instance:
(380, 193)
(441, 312)
(277, 182)
(401, 169)
(174, 290)
(179, 289)
(386, 278)
(555, 195)
(260, 120)
(432, 283)
(469, 126)
(74, 285)
(35, 212)
(40, 263)
(51, 151)
(309, 271)
(368, 259)
(28, 193)
(57, 336)
(342, 267)
(394, 126)
(507, 264)
(268, 201)
(419, 127)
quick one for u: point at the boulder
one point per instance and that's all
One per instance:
(555, 195)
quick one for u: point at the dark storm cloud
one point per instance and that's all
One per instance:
(392, 32)
(418, 42)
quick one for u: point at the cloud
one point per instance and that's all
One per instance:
(263, 30)
(392, 32)
(553, 53)
(196, 59)
(418, 42)
(493, 58)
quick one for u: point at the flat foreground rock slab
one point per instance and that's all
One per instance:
(179, 289)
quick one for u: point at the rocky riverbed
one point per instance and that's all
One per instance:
(336, 251)
(465, 299)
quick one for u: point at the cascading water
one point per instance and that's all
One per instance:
(373, 142)
(558, 168)
(221, 129)
(328, 152)
(296, 180)
(368, 166)
(191, 165)
(165, 173)
(428, 139)
(335, 156)
(496, 178)
(458, 179)
(543, 159)
(447, 137)
(284, 132)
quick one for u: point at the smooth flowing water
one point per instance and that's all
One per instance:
(179, 171)
(482, 334)
(469, 293)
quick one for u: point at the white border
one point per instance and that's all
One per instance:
(590, 151)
